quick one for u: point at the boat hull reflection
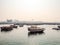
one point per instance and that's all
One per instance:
(6, 30)
(35, 33)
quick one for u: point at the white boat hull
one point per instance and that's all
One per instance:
(35, 30)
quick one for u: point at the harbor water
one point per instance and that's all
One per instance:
(21, 36)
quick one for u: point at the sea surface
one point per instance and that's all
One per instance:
(21, 36)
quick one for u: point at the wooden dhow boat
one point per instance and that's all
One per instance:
(34, 28)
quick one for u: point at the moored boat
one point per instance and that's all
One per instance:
(58, 28)
(6, 28)
(35, 29)
(13, 26)
(20, 25)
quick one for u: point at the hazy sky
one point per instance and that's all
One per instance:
(40, 10)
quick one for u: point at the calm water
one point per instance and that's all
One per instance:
(21, 36)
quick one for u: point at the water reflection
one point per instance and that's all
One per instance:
(35, 33)
(19, 36)
(6, 30)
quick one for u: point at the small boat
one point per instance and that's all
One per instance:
(56, 28)
(34, 28)
(20, 25)
(6, 28)
(13, 26)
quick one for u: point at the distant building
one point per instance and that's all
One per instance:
(9, 20)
